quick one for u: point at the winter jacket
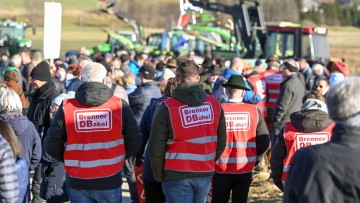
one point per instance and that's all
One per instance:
(93, 94)
(74, 84)
(289, 101)
(327, 172)
(9, 186)
(305, 121)
(27, 135)
(141, 97)
(134, 67)
(309, 77)
(192, 95)
(218, 90)
(39, 109)
(145, 128)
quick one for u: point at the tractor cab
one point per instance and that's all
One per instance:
(288, 40)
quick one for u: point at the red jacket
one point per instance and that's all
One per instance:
(240, 153)
(193, 148)
(95, 145)
(295, 140)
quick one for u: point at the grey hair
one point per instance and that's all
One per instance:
(343, 99)
(10, 101)
(93, 72)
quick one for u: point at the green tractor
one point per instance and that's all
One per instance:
(12, 36)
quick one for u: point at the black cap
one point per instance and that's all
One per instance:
(124, 58)
(237, 82)
(41, 72)
(258, 62)
(148, 72)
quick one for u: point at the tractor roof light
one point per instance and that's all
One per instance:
(320, 30)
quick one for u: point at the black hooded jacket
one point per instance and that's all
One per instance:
(93, 94)
(305, 121)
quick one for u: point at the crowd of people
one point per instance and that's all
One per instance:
(193, 122)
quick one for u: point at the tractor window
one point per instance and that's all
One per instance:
(13, 32)
(281, 44)
(306, 47)
(321, 47)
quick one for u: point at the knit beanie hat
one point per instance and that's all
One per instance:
(41, 72)
(314, 104)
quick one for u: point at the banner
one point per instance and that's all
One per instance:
(52, 30)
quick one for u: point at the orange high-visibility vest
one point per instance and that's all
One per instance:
(240, 153)
(95, 145)
(260, 89)
(295, 140)
(193, 148)
(273, 79)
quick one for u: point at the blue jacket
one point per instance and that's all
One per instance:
(145, 128)
(219, 91)
(140, 98)
(27, 135)
(134, 67)
(53, 187)
(22, 173)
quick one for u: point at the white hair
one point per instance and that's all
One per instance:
(343, 99)
(93, 72)
(317, 69)
(10, 101)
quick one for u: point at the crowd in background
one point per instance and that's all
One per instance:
(32, 90)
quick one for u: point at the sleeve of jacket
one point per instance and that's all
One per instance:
(249, 96)
(145, 132)
(159, 136)
(56, 136)
(262, 137)
(130, 131)
(282, 106)
(36, 151)
(278, 155)
(221, 136)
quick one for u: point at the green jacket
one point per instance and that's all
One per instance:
(192, 95)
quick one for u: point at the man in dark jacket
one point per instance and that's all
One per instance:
(312, 121)
(291, 92)
(138, 101)
(188, 135)
(328, 172)
(39, 112)
(99, 131)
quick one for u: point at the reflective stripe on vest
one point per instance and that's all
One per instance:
(258, 81)
(95, 145)
(295, 140)
(240, 153)
(193, 148)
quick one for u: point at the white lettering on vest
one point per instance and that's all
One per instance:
(274, 78)
(93, 120)
(305, 140)
(199, 115)
(237, 121)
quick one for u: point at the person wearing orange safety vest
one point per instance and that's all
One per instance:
(272, 78)
(93, 134)
(188, 134)
(310, 126)
(247, 140)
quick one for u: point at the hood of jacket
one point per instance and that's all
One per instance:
(191, 94)
(19, 122)
(310, 120)
(93, 93)
(229, 72)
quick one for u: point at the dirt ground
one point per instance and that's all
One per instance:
(262, 192)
